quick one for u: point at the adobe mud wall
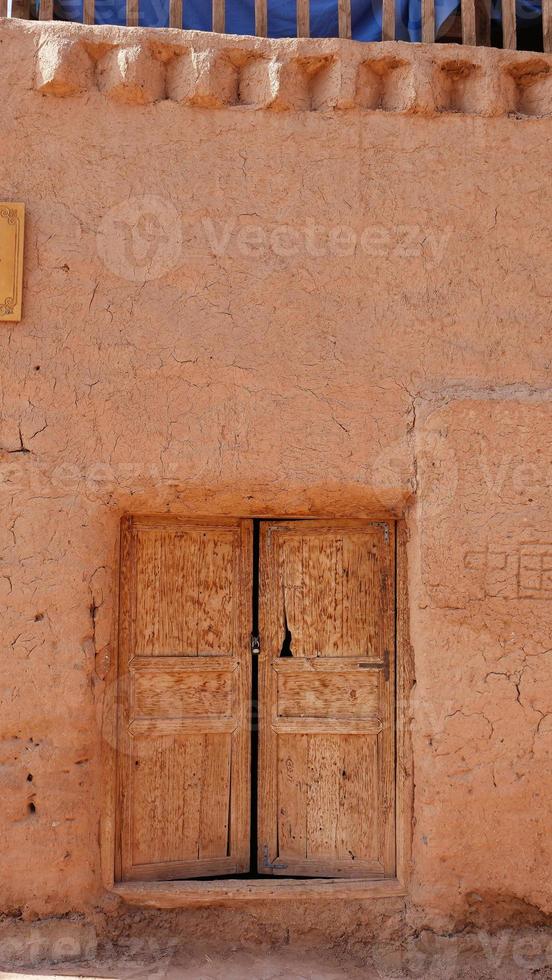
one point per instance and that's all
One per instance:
(282, 278)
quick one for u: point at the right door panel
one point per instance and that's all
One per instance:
(327, 699)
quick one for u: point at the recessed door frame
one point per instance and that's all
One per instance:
(175, 894)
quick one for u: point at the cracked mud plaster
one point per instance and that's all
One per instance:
(483, 616)
(410, 372)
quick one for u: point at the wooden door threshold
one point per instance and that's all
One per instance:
(179, 894)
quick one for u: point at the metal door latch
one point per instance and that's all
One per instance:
(379, 664)
(273, 865)
(255, 645)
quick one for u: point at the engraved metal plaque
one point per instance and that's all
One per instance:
(12, 224)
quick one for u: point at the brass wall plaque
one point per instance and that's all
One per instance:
(12, 225)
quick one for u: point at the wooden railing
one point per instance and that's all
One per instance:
(475, 18)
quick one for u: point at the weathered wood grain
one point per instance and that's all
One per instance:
(327, 744)
(428, 21)
(163, 727)
(108, 806)
(208, 868)
(332, 601)
(323, 779)
(261, 18)
(183, 759)
(388, 21)
(405, 683)
(175, 13)
(293, 779)
(509, 39)
(348, 694)
(469, 34)
(240, 776)
(344, 17)
(359, 805)
(88, 11)
(185, 600)
(186, 894)
(158, 693)
(132, 13)
(303, 18)
(547, 25)
(219, 16)
(322, 726)
(46, 11)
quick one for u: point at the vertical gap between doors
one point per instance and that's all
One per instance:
(254, 699)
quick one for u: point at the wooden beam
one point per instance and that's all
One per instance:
(469, 35)
(3, 8)
(219, 16)
(46, 11)
(344, 17)
(88, 11)
(547, 25)
(175, 13)
(509, 40)
(428, 21)
(179, 894)
(483, 22)
(22, 8)
(261, 18)
(388, 21)
(303, 18)
(132, 13)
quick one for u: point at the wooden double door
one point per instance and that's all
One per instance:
(295, 725)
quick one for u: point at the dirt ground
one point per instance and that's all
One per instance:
(497, 958)
(235, 965)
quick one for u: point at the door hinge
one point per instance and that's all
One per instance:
(255, 645)
(273, 865)
(385, 526)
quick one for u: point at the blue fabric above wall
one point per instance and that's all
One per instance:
(240, 18)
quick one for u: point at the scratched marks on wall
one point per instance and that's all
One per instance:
(522, 571)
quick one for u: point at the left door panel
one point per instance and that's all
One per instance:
(183, 735)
